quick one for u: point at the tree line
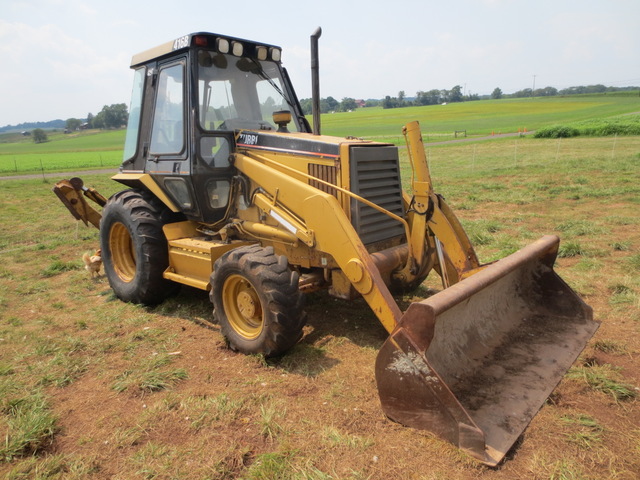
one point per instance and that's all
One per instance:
(436, 97)
(432, 97)
(110, 117)
(581, 90)
(330, 104)
(456, 94)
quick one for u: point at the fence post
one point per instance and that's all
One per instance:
(473, 168)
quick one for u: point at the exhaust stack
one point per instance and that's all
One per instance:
(315, 80)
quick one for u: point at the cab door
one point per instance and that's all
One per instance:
(167, 150)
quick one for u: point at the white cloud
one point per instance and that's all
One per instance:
(63, 58)
(51, 70)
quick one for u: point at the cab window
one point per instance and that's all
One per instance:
(167, 134)
(240, 93)
(133, 124)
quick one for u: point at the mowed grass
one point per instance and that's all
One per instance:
(86, 379)
(91, 387)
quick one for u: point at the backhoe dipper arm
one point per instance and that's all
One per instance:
(332, 233)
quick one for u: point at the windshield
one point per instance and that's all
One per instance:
(240, 93)
(133, 125)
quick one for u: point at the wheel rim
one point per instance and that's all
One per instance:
(123, 254)
(242, 306)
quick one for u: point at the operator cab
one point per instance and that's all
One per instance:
(191, 98)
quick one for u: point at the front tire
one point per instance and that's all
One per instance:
(256, 301)
(134, 248)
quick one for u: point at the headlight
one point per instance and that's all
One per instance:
(237, 49)
(222, 45)
(261, 53)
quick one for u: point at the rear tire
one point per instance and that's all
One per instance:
(256, 301)
(134, 248)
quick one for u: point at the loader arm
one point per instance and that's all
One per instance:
(325, 226)
(332, 233)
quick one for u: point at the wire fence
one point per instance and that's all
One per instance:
(518, 152)
(446, 157)
(58, 162)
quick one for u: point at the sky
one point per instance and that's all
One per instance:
(66, 58)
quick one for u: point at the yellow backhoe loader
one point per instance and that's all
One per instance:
(230, 190)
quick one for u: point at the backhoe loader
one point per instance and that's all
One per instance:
(230, 190)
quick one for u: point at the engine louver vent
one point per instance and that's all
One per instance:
(375, 175)
(323, 172)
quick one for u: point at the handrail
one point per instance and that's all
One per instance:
(356, 197)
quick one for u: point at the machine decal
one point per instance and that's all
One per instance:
(298, 146)
(181, 42)
(247, 139)
(283, 222)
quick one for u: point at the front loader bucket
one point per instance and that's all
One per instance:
(475, 362)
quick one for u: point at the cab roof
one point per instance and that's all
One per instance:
(215, 41)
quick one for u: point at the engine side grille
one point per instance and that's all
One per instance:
(323, 172)
(375, 175)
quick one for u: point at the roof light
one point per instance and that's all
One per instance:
(261, 53)
(276, 54)
(200, 41)
(222, 45)
(237, 49)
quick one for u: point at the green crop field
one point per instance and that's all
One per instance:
(91, 140)
(91, 149)
(94, 149)
(478, 118)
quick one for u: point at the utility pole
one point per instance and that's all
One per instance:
(534, 86)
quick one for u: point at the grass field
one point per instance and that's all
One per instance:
(84, 141)
(93, 388)
(82, 150)
(477, 118)
(92, 149)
